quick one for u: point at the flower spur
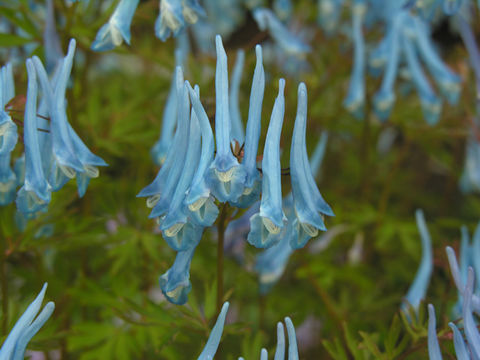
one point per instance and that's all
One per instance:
(266, 226)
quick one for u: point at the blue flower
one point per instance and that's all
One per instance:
(166, 194)
(355, 100)
(26, 327)
(420, 284)
(471, 331)
(200, 203)
(173, 14)
(451, 7)
(71, 157)
(169, 117)
(51, 40)
(154, 190)
(35, 193)
(433, 346)
(286, 40)
(470, 179)
(175, 283)
(252, 184)
(211, 346)
(225, 176)
(267, 225)
(117, 29)
(460, 348)
(309, 204)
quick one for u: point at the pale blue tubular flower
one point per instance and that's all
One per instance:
(433, 346)
(292, 340)
(213, 341)
(457, 279)
(175, 283)
(236, 233)
(470, 179)
(51, 41)
(280, 350)
(267, 225)
(417, 290)
(200, 203)
(237, 133)
(283, 9)
(474, 260)
(252, 185)
(8, 137)
(183, 124)
(329, 14)
(471, 331)
(447, 80)
(174, 225)
(71, 157)
(173, 14)
(284, 38)
(355, 100)
(225, 176)
(117, 29)
(470, 43)
(156, 188)
(308, 203)
(35, 193)
(169, 118)
(264, 354)
(385, 97)
(431, 104)
(460, 347)
(26, 327)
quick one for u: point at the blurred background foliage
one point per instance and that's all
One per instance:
(102, 256)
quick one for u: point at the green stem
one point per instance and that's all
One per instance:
(221, 237)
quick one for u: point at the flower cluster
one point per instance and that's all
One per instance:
(54, 153)
(184, 199)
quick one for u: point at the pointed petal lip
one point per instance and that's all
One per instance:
(215, 335)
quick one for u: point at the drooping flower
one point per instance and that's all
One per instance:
(174, 14)
(267, 225)
(225, 176)
(35, 193)
(252, 184)
(308, 203)
(26, 327)
(420, 284)
(117, 29)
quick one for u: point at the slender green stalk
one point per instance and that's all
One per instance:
(221, 237)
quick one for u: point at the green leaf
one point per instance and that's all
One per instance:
(9, 40)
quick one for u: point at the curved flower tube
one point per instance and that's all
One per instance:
(433, 346)
(448, 81)
(355, 100)
(280, 350)
(291, 44)
(169, 118)
(460, 347)
(225, 176)
(292, 340)
(175, 283)
(308, 202)
(237, 126)
(153, 190)
(214, 339)
(471, 331)
(117, 29)
(420, 284)
(267, 225)
(200, 203)
(165, 197)
(35, 193)
(252, 185)
(176, 217)
(26, 327)
(431, 104)
(385, 97)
